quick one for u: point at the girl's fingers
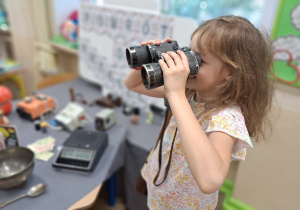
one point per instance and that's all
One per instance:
(169, 60)
(151, 42)
(168, 39)
(148, 42)
(183, 57)
(175, 57)
(156, 42)
(162, 64)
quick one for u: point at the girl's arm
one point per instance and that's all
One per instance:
(133, 80)
(208, 157)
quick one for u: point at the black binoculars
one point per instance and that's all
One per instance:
(147, 57)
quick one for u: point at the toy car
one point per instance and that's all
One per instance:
(34, 107)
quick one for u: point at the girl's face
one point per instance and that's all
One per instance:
(212, 73)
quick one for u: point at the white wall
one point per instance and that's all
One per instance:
(268, 14)
(151, 5)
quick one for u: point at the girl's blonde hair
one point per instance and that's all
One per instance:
(247, 53)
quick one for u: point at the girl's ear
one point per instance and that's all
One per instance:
(229, 73)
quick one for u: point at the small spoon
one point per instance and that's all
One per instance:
(34, 191)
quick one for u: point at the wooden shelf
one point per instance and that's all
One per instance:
(67, 57)
(65, 49)
(6, 35)
(5, 32)
(52, 47)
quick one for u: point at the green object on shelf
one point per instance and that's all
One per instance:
(59, 39)
(7, 65)
(230, 203)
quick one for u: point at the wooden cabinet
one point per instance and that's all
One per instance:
(6, 49)
(28, 41)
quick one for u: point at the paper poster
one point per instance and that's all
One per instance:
(286, 43)
(106, 32)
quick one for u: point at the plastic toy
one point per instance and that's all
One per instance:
(5, 97)
(105, 119)
(71, 117)
(35, 106)
(69, 29)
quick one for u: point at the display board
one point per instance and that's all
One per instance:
(286, 43)
(106, 32)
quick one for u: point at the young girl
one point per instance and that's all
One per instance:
(215, 112)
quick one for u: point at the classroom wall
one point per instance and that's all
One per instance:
(23, 35)
(269, 178)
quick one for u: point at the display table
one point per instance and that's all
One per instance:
(65, 187)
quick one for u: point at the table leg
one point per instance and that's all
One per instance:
(111, 190)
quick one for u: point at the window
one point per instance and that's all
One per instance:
(202, 10)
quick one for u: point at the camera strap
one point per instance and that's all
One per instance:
(168, 115)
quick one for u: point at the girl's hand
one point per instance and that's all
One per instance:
(175, 71)
(157, 41)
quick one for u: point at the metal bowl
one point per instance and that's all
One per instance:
(16, 166)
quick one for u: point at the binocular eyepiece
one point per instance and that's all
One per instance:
(147, 57)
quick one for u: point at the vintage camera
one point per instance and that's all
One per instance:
(147, 56)
(105, 119)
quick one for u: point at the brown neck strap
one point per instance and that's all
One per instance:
(160, 140)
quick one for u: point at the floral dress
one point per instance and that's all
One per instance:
(180, 190)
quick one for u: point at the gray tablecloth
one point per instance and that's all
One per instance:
(128, 148)
(140, 139)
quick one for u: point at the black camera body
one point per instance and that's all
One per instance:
(147, 57)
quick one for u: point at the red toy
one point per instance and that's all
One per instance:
(5, 97)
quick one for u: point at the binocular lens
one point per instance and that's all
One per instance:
(137, 56)
(152, 76)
